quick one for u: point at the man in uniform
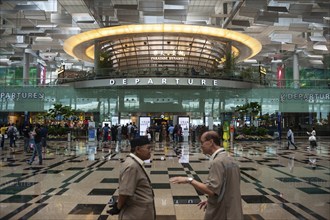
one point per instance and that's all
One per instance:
(222, 185)
(136, 197)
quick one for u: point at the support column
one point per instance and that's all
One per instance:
(97, 48)
(26, 68)
(295, 71)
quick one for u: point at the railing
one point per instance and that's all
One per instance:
(106, 73)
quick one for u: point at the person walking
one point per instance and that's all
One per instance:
(26, 134)
(290, 137)
(37, 145)
(3, 129)
(12, 135)
(223, 182)
(136, 196)
(312, 139)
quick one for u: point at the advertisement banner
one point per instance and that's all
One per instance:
(91, 131)
(144, 124)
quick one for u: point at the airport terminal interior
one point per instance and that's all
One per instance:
(248, 69)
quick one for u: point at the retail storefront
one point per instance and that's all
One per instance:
(124, 103)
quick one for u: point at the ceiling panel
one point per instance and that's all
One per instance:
(278, 24)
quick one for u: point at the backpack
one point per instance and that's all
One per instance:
(12, 131)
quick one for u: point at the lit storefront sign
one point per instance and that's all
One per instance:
(174, 55)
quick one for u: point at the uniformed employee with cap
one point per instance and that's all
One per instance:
(136, 197)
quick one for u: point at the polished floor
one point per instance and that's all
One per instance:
(78, 179)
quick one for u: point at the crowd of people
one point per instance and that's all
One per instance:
(34, 139)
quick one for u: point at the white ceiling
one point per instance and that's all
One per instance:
(283, 27)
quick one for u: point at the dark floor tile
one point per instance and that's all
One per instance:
(158, 172)
(202, 172)
(174, 175)
(287, 179)
(244, 180)
(51, 171)
(75, 161)
(253, 217)
(17, 210)
(104, 169)
(17, 187)
(76, 168)
(313, 179)
(186, 200)
(293, 212)
(175, 169)
(49, 158)
(275, 165)
(102, 192)
(314, 168)
(166, 217)
(19, 199)
(62, 191)
(248, 168)
(280, 198)
(313, 190)
(110, 180)
(261, 191)
(12, 165)
(87, 209)
(15, 175)
(309, 211)
(161, 186)
(43, 199)
(32, 167)
(256, 199)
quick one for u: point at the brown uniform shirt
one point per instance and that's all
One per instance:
(135, 183)
(224, 172)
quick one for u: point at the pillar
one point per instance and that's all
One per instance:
(97, 48)
(295, 71)
(26, 68)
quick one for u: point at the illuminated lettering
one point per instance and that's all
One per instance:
(112, 82)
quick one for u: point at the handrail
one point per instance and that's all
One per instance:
(108, 73)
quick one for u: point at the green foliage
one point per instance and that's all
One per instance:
(105, 60)
(252, 108)
(247, 73)
(66, 112)
(58, 130)
(259, 131)
(230, 62)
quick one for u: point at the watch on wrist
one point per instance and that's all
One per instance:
(190, 179)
